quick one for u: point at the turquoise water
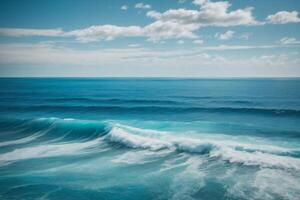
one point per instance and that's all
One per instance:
(138, 139)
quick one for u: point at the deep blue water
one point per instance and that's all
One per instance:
(115, 138)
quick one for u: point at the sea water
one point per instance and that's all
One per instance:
(135, 138)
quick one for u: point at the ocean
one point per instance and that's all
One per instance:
(149, 138)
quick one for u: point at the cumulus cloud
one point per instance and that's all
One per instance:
(171, 24)
(182, 23)
(155, 31)
(209, 14)
(289, 40)
(199, 2)
(283, 17)
(225, 36)
(166, 29)
(124, 7)
(142, 6)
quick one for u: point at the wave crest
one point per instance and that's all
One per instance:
(231, 151)
(55, 136)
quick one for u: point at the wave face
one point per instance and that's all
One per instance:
(95, 148)
(149, 139)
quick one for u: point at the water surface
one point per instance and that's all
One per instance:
(118, 138)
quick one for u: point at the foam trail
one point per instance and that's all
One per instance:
(256, 158)
(139, 157)
(266, 184)
(20, 141)
(189, 182)
(49, 150)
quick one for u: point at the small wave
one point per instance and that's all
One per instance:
(157, 109)
(193, 97)
(57, 137)
(53, 128)
(234, 102)
(115, 100)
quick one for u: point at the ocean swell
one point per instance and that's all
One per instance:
(146, 109)
(61, 137)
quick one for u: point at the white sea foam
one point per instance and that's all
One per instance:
(179, 161)
(232, 151)
(139, 157)
(48, 150)
(21, 140)
(189, 181)
(274, 182)
(269, 184)
(256, 158)
(136, 141)
(69, 119)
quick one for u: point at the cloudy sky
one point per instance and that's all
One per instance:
(169, 38)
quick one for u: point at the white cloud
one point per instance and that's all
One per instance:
(237, 47)
(164, 30)
(124, 7)
(225, 36)
(173, 23)
(289, 40)
(105, 32)
(111, 62)
(209, 14)
(155, 31)
(19, 32)
(142, 6)
(182, 23)
(199, 2)
(241, 47)
(198, 42)
(283, 17)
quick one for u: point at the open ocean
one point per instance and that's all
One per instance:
(140, 139)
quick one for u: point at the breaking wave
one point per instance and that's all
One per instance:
(231, 151)
(50, 137)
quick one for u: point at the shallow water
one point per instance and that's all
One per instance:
(109, 138)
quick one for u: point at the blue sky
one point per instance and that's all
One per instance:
(169, 38)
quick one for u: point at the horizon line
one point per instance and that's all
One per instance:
(166, 77)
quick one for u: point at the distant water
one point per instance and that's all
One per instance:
(134, 139)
